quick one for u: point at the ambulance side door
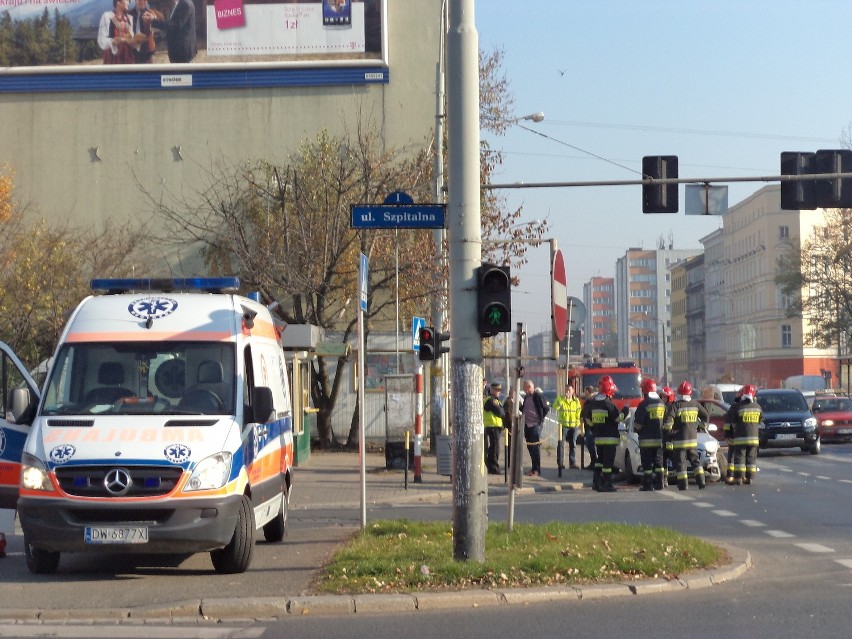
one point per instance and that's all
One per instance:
(19, 397)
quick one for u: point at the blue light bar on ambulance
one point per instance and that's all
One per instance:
(167, 285)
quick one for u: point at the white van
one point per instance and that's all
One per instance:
(164, 426)
(721, 392)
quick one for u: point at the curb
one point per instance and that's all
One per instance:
(262, 608)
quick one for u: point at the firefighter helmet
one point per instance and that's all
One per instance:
(607, 387)
(685, 388)
(648, 386)
(669, 395)
(748, 391)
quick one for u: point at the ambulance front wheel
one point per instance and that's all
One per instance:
(274, 531)
(236, 556)
(39, 561)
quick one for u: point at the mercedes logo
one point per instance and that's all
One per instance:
(118, 482)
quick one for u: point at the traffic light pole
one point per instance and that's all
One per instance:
(470, 488)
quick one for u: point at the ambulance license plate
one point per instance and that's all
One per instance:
(116, 534)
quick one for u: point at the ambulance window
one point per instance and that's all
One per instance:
(248, 379)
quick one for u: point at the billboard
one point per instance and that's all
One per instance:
(131, 44)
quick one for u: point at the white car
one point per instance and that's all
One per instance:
(629, 461)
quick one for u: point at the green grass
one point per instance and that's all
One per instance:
(404, 556)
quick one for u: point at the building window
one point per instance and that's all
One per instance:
(786, 336)
(783, 232)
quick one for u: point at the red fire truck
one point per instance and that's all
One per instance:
(627, 378)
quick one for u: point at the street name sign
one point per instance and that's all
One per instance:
(398, 216)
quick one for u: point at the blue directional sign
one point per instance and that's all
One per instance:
(398, 216)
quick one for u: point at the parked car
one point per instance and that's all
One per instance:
(834, 417)
(717, 410)
(787, 421)
(628, 460)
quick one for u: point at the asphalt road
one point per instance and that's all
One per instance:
(795, 522)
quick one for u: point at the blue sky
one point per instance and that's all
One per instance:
(725, 85)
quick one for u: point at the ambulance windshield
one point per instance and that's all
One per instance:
(142, 378)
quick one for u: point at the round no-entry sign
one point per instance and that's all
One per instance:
(559, 295)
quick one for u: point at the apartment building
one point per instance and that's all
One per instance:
(643, 306)
(750, 337)
(599, 331)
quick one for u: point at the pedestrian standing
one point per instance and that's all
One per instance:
(534, 408)
(648, 425)
(683, 418)
(567, 408)
(745, 417)
(603, 415)
(492, 416)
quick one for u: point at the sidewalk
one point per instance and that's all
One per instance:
(333, 480)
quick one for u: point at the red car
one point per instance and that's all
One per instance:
(717, 410)
(834, 417)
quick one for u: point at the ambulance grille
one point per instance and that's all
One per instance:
(144, 481)
(71, 423)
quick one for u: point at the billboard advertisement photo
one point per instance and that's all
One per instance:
(186, 38)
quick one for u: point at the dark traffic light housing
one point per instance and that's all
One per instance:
(493, 299)
(807, 195)
(430, 343)
(659, 198)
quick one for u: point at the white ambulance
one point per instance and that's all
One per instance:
(164, 426)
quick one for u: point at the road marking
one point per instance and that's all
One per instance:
(823, 477)
(844, 562)
(778, 533)
(782, 469)
(752, 523)
(845, 481)
(803, 474)
(703, 504)
(724, 513)
(132, 632)
(814, 547)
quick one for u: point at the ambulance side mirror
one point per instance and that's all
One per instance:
(22, 405)
(262, 405)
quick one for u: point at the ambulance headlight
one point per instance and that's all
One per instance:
(34, 474)
(211, 473)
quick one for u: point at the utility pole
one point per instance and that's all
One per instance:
(470, 488)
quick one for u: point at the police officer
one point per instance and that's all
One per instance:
(683, 418)
(603, 415)
(648, 424)
(567, 408)
(745, 417)
(492, 416)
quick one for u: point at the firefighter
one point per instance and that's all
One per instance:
(745, 417)
(683, 418)
(648, 424)
(730, 416)
(603, 415)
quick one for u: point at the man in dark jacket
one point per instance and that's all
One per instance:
(648, 424)
(603, 415)
(179, 26)
(534, 409)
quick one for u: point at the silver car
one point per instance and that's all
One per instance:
(629, 461)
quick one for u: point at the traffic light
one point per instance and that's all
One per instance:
(659, 198)
(806, 195)
(834, 193)
(798, 195)
(493, 299)
(430, 343)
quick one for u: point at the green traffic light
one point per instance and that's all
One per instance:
(494, 314)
